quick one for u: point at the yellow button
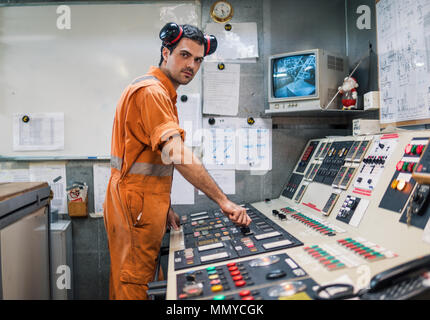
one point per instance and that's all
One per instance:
(213, 276)
(217, 288)
(394, 184)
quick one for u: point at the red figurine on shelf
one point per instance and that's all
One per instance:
(349, 93)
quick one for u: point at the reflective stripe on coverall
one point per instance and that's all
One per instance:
(138, 194)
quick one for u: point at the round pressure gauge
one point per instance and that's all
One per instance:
(221, 11)
(286, 289)
(263, 262)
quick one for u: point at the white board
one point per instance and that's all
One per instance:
(80, 71)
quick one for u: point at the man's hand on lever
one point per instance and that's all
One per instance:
(235, 213)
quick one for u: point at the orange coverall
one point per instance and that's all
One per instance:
(138, 194)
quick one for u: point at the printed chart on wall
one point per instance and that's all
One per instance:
(404, 60)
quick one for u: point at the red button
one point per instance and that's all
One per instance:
(408, 149)
(244, 293)
(231, 264)
(237, 278)
(240, 283)
(215, 281)
(232, 268)
(248, 298)
(235, 273)
(399, 166)
(420, 149)
(183, 296)
(410, 166)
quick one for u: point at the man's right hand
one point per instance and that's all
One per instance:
(235, 213)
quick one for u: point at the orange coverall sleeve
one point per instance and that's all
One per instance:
(158, 116)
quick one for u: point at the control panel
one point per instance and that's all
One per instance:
(352, 208)
(402, 182)
(210, 237)
(306, 156)
(242, 278)
(292, 185)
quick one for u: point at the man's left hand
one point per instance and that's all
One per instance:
(173, 220)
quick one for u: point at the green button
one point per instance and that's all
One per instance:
(335, 261)
(330, 258)
(219, 297)
(414, 149)
(212, 272)
(348, 239)
(340, 265)
(210, 268)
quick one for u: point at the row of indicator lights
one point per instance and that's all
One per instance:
(321, 228)
(361, 249)
(307, 153)
(217, 279)
(287, 210)
(200, 235)
(414, 149)
(330, 262)
(244, 295)
(189, 255)
(249, 244)
(404, 166)
(202, 221)
(399, 184)
(239, 274)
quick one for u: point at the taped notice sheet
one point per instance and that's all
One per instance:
(240, 43)
(221, 89)
(55, 176)
(38, 131)
(101, 174)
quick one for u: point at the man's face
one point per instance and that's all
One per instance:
(184, 62)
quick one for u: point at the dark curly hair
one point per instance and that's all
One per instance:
(190, 32)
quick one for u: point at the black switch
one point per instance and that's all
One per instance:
(245, 230)
(275, 274)
(275, 212)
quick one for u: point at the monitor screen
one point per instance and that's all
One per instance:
(294, 76)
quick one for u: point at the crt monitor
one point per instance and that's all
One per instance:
(294, 76)
(304, 80)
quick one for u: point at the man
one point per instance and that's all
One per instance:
(147, 143)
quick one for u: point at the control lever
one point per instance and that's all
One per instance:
(246, 231)
(420, 199)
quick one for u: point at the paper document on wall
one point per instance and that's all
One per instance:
(14, 175)
(219, 143)
(101, 174)
(182, 190)
(48, 172)
(241, 42)
(225, 179)
(190, 117)
(254, 145)
(221, 89)
(38, 131)
(403, 37)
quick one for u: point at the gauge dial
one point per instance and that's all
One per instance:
(221, 11)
